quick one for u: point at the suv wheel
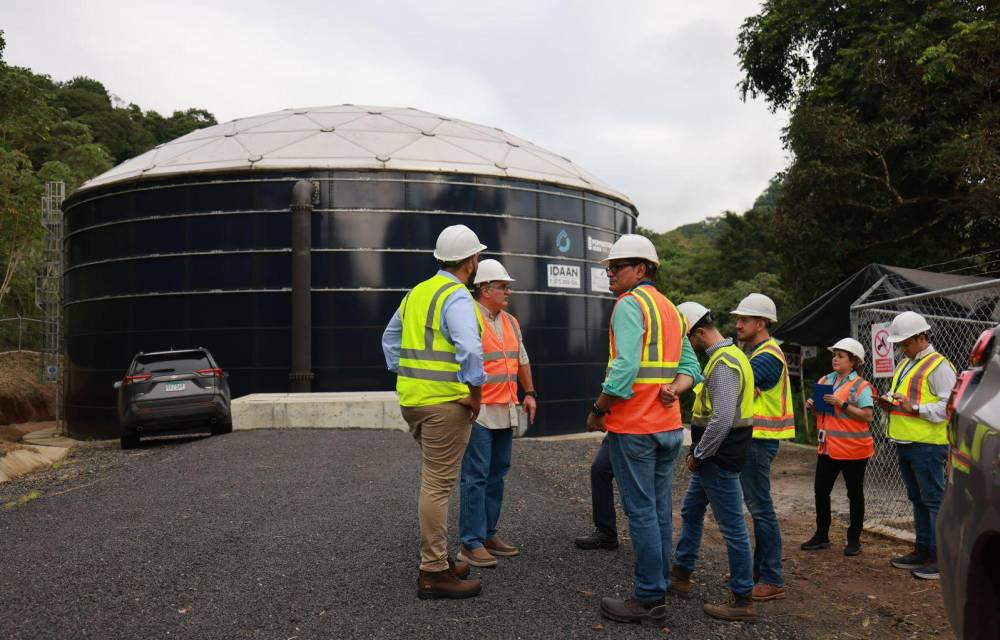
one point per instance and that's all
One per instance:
(221, 428)
(130, 440)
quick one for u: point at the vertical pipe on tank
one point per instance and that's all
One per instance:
(301, 375)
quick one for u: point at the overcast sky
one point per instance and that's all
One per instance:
(640, 93)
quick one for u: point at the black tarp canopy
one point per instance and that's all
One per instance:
(828, 318)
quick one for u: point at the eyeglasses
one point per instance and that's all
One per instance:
(613, 269)
(502, 287)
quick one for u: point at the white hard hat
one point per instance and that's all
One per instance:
(757, 305)
(457, 242)
(490, 270)
(907, 324)
(632, 245)
(850, 345)
(692, 312)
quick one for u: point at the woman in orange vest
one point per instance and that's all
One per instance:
(845, 444)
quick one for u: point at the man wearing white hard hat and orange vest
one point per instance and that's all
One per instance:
(773, 421)
(433, 344)
(487, 457)
(648, 344)
(918, 420)
(845, 443)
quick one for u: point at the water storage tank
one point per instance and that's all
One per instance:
(189, 245)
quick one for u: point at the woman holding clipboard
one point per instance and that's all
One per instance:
(843, 414)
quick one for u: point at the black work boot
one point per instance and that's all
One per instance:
(735, 609)
(817, 542)
(680, 582)
(853, 547)
(917, 558)
(650, 614)
(597, 540)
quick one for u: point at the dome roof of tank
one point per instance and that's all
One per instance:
(355, 137)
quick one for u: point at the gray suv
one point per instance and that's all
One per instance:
(169, 392)
(968, 523)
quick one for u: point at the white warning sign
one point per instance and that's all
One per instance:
(883, 362)
(599, 282)
(563, 276)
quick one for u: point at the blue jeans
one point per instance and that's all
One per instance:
(922, 468)
(644, 468)
(756, 480)
(486, 462)
(713, 485)
(602, 491)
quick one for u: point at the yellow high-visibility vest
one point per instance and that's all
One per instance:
(732, 357)
(774, 418)
(428, 371)
(915, 384)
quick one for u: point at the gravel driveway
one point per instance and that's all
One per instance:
(308, 534)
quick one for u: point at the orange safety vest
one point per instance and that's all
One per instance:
(846, 438)
(664, 330)
(501, 359)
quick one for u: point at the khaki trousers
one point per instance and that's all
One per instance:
(442, 431)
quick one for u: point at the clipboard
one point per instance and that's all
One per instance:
(819, 404)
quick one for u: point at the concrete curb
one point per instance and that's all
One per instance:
(347, 410)
(41, 448)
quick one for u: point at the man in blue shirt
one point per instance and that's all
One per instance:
(433, 344)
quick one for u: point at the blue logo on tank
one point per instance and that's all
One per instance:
(563, 241)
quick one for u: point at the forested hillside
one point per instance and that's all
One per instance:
(894, 139)
(61, 130)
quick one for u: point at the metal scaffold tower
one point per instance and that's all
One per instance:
(49, 293)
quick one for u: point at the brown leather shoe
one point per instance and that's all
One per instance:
(763, 591)
(445, 584)
(680, 582)
(461, 569)
(736, 609)
(479, 557)
(498, 547)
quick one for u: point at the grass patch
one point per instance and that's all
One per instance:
(34, 494)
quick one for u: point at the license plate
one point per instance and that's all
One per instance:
(174, 386)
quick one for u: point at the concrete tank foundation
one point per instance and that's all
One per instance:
(345, 410)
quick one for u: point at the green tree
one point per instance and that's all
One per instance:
(69, 131)
(894, 113)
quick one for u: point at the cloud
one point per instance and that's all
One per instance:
(641, 94)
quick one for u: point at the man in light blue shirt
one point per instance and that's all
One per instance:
(459, 327)
(433, 345)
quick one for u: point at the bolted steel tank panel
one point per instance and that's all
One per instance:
(204, 259)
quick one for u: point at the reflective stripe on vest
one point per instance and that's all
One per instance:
(916, 387)
(663, 333)
(846, 438)
(773, 417)
(502, 356)
(428, 371)
(736, 360)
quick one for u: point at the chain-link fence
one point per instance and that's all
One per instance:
(957, 316)
(22, 334)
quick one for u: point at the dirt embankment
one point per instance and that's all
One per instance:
(23, 395)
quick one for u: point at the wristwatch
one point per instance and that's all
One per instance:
(533, 394)
(843, 405)
(597, 411)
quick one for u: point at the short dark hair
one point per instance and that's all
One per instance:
(705, 322)
(453, 264)
(651, 267)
